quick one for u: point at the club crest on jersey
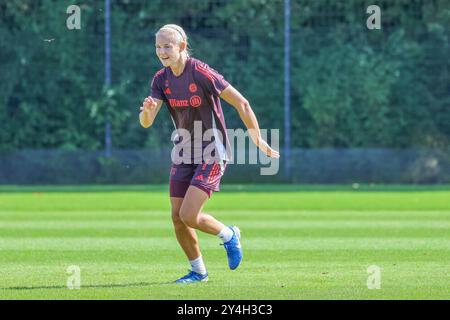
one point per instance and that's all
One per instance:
(167, 91)
(193, 87)
(195, 101)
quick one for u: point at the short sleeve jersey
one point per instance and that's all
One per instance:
(193, 101)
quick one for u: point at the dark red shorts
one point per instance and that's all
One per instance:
(204, 176)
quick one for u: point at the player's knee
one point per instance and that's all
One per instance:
(188, 218)
(176, 219)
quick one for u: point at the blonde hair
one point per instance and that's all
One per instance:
(181, 35)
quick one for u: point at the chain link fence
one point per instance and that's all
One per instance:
(331, 165)
(367, 105)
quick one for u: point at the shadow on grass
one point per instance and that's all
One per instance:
(123, 285)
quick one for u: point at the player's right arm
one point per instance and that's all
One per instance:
(149, 109)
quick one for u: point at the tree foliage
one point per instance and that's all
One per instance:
(351, 87)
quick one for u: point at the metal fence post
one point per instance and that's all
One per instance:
(107, 74)
(287, 89)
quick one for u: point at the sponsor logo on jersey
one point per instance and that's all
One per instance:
(178, 103)
(195, 101)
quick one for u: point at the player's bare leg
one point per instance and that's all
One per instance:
(191, 215)
(188, 240)
(186, 236)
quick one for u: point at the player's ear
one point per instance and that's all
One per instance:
(183, 46)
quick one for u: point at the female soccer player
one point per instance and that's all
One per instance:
(192, 91)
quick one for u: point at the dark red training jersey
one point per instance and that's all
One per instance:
(192, 99)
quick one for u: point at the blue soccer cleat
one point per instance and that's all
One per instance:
(234, 249)
(192, 277)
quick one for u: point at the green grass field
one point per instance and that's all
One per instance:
(300, 242)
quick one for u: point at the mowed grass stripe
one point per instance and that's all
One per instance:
(438, 200)
(30, 258)
(302, 228)
(278, 233)
(112, 269)
(154, 224)
(262, 243)
(240, 215)
(299, 224)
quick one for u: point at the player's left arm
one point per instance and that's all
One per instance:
(237, 100)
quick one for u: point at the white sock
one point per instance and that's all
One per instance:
(226, 234)
(198, 265)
